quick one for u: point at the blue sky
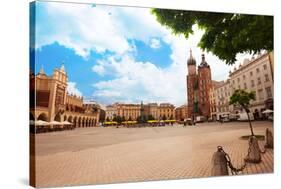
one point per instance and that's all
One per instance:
(116, 54)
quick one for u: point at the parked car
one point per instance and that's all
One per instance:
(244, 117)
(225, 119)
(233, 117)
(270, 118)
(200, 119)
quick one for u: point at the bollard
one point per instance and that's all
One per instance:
(254, 155)
(269, 139)
(219, 164)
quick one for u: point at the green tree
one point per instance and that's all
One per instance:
(150, 117)
(243, 98)
(118, 119)
(225, 34)
(114, 118)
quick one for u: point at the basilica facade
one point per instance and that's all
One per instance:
(199, 83)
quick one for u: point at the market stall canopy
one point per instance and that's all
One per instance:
(67, 123)
(170, 120)
(152, 121)
(40, 122)
(267, 111)
(110, 122)
(56, 123)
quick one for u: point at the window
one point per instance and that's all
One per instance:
(264, 66)
(239, 87)
(259, 80)
(253, 83)
(266, 77)
(251, 73)
(258, 70)
(268, 92)
(245, 85)
(244, 77)
(260, 93)
(238, 79)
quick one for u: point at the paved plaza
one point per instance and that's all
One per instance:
(110, 155)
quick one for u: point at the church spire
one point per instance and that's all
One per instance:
(203, 58)
(190, 53)
(191, 60)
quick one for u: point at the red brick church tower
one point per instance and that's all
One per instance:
(198, 88)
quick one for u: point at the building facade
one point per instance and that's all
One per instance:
(127, 111)
(199, 84)
(181, 113)
(166, 111)
(51, 102)
(256, 75)
(133, 111)
(213, 99)
(222, 93)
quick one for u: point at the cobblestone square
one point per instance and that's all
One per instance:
(110, 155)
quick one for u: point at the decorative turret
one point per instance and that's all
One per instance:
(60, 74)
(62, 69)
(203, 62)
(42, 70)
(41, 73)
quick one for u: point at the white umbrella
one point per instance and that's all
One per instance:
(67, 123)
(56, 123)
(41, 122)
(267, 111)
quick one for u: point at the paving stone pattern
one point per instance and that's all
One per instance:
(111, 155)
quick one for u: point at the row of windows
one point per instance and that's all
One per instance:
(268, 93)
(259, 93)
(253, 82)
(223, 109)
(251, 73)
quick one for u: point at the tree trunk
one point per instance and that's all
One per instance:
(251, 127)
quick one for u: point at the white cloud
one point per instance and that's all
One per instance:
(71, 89)
(155, 43)
(102, 28)
(81, 28)
(136, 81)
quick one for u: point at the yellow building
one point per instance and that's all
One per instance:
(49, 101)
(166, 111)
(181, 113)
(128, 111)
(133, 111)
